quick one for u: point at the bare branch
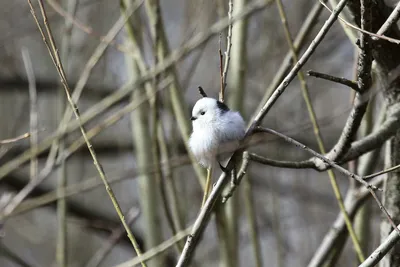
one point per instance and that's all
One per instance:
(383, 249)
(227, 52)
(305, 164)
(382, 172)
(391, 20)
(14, 139)
(353, 85)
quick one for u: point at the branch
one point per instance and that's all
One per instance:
(382, 250)
(305, 164)
(242, 172)
(392, 19)
(306, 56)
(377, 138)
(227, 52)
(382, 172)
(353, 85)
(14, 139)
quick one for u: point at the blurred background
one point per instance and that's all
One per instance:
(277, 216)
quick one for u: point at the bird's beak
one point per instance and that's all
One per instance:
(193, 118)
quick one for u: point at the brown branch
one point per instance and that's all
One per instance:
(353, 85)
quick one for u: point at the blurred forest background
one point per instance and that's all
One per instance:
(54, 208)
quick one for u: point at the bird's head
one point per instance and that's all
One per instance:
(207, 110)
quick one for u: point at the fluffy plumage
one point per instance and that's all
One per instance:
(217, 131)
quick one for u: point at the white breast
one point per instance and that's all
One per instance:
(204, 144)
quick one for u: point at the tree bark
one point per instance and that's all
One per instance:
(387, 57)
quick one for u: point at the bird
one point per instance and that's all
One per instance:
(217, 132)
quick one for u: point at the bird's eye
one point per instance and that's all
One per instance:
(203, 112)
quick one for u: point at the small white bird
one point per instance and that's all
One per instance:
(217, 131)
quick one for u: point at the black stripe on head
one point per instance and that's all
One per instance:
(222, 107)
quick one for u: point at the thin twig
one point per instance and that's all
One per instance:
(353, 85)
(14, 139)
(240, 175)
(381, 172)
(378, 36)
(54, 54)
(305, 164)
(227, 52)
(221, 70)
(391, 20)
